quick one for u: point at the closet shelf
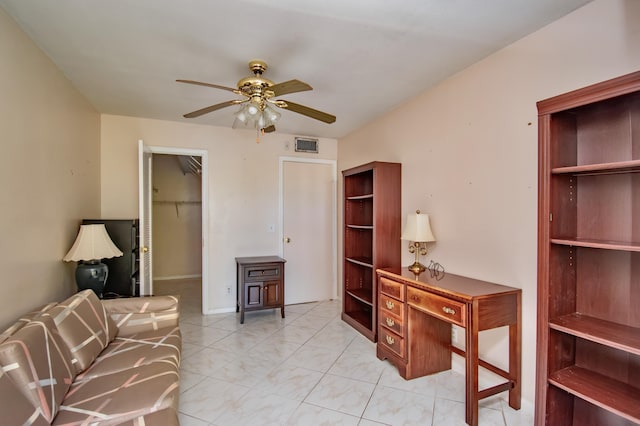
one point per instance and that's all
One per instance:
(175, 202)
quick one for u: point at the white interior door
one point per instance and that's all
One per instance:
(144, 206)
(309, 230)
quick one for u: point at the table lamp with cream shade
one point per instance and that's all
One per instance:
(91, 246)
(418, 232)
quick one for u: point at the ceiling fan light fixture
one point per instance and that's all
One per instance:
(252, 109)
(251, 116)
(261, 122)
(241, 115)
(271, 114)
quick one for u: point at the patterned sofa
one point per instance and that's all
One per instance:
(86, 361)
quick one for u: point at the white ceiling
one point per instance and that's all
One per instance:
(362, 57)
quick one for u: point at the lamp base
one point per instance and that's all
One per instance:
(92, 275)
(417, 268)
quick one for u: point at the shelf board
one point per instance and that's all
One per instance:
(602, 168)
(361, 317)
(366, 227)
(360, 197)
(362, 322)
(362, 261)
(364, 295)
(609, 394)
(600, 244)
(600, 331)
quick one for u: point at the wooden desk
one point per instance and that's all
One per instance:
(260, 284)
(415, 314)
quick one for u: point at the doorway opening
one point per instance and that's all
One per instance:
(177, 226)
(176, 218)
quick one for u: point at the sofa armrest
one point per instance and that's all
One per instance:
(137, 314)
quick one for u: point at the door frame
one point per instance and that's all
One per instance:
(145, 218)
(203, 154)
(334, 211)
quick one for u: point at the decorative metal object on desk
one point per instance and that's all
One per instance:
(436, 270)
(418, 231)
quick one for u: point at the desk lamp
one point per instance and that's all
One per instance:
(91, 246)
(418, 231)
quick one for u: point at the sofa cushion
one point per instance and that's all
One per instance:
(22, 411)
(24, 320)
(138, 349)
(39, 363)
(137, 314)
(123, 396)
(85, 327)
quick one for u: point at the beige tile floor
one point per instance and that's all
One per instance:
(309, 368)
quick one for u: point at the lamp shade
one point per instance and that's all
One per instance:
(418, 228)
(92, 243)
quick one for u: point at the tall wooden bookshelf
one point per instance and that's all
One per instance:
(371, 238)
(588, 366)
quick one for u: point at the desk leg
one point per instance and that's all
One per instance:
(471, 365)
(515, 356)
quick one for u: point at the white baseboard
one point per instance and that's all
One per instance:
(177, 277)
(220, 311)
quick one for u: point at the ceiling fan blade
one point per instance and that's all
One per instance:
(310, 112)
(269, 129)
(209, 109)
(291, 86)
(215, 86)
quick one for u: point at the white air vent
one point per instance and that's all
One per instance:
(307, 145)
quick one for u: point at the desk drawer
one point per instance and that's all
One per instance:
(441, 307)
(391, 341)
(392, 305)
(391, 288)
(390, 321)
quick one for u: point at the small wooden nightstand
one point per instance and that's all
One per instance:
(260, 284)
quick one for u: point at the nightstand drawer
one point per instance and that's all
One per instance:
(392, 305)
(263, 272)
(391, 288)
(390, 321)
(391, 341)
(448, 310)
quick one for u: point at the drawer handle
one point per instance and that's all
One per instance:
(390, 322)
(448, 310)
(390, 340)
(390, 304)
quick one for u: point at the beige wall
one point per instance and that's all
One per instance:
(468, 152)
(177, 220)
(468, 149)
(49, 174)
(242, 186)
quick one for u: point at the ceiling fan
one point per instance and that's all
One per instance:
(257, 105)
